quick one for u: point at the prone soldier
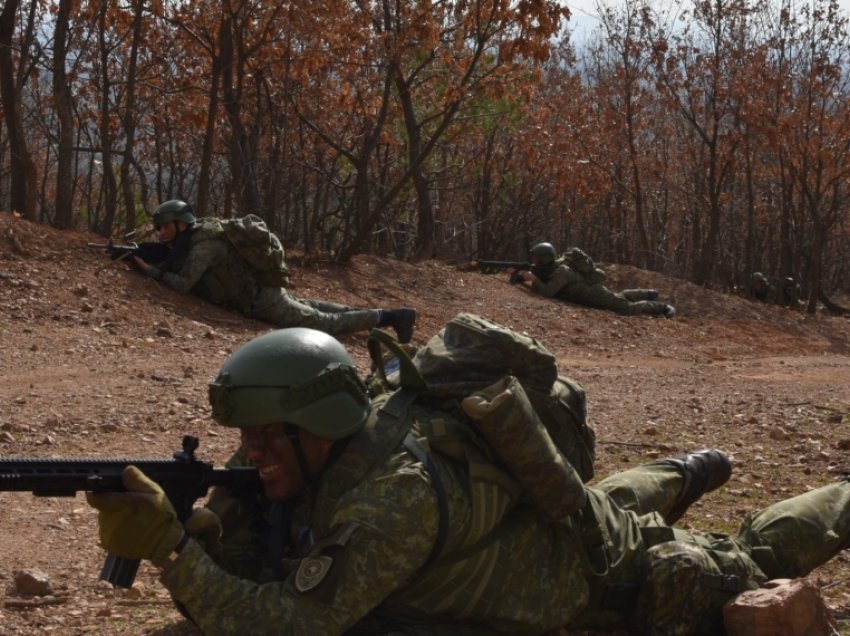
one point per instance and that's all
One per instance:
(365, 527)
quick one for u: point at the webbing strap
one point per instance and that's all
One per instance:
(415, 448)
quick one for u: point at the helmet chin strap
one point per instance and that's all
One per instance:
(303, 466)
(335, 451)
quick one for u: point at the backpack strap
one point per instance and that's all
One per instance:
(409, 376)
(415, 448)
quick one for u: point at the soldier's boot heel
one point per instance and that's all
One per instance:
(704, 471)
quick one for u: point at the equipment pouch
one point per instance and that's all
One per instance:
(504, 416)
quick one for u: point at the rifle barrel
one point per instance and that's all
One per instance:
(501, 264)
(184, 480)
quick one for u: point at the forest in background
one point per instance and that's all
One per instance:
(702, 139)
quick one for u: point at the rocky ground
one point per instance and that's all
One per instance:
(96, 360)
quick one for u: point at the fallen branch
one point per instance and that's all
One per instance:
(143, 601)
(35, 602)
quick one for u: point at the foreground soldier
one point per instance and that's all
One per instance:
(362, 530)
(565, 283)
(214, 270)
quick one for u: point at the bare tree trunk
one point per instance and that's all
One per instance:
(129, 119)
(424, 205)
(209, 137)
(242, 156)
(110, 188)
(62, 96)
(23, 173)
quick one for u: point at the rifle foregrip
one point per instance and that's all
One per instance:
(119, 571)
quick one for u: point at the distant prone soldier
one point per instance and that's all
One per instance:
(574, 278)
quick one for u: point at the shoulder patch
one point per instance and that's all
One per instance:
(312, 571)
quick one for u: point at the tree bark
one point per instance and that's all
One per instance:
(62, 96)
(23, 173)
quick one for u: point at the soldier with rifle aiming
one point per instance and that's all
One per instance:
(561, 280)
(367, 525)
(202, 261)
(148, 251)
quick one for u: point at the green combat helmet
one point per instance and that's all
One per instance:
(296, 376)
(174, 210)
(545, 252)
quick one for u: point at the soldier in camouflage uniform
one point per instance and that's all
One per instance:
(785, 294)
(762, 289)
(364, 527)
(209, 267)
(561, 281)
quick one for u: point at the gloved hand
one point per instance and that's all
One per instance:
(140, 523)
(204, 526)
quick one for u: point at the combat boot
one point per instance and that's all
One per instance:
(401, 320)
(704, 471)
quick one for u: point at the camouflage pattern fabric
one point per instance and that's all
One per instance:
(279, 307)
(357, 545)
(566, 284)
(785, 293)
(762, 289)
(639, 294)
(213, 270)
(791, 538)
(681, 580)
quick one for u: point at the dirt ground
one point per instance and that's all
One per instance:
(96, 360)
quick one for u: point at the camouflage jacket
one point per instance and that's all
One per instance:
(568, 284)
(212, 270)
(361, 544)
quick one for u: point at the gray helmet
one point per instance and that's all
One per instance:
(174, 210)
(758, 277)
(298, 376)
(545, 252)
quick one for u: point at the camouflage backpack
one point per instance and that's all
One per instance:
(579, 261)
(472, 354)
(260, 248)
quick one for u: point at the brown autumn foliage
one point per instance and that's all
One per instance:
(706, 142)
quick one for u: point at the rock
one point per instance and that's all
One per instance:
(786, 607)
(32, 583)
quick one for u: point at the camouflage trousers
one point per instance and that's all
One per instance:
(670, 582)
(629, 302)
(279, 307)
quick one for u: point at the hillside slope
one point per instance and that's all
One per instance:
(96, 360)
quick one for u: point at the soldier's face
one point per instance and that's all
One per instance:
(167, 232)
(270, 448)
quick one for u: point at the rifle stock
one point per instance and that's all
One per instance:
(184, 479)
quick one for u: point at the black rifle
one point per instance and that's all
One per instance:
(184, 480)
(149, 251)
(541, 271)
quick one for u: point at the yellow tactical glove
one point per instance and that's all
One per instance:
(137, 524)
(204, 526)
